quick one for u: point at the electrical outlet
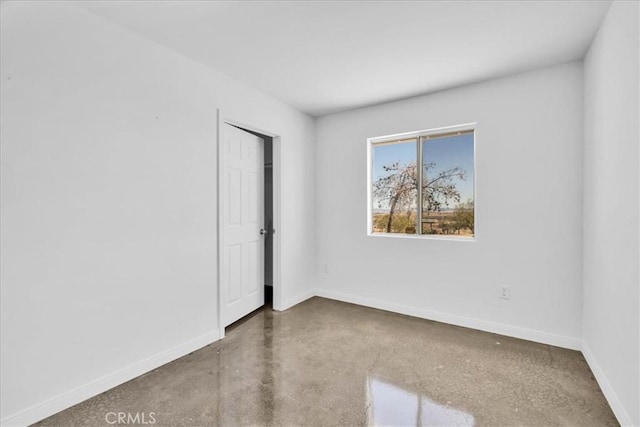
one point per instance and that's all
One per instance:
(505, 292)
(325, 268)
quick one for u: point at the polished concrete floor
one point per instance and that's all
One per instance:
(328, 363)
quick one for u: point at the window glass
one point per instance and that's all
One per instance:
(395, 189)
(447, 185)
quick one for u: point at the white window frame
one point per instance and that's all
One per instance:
(418, 135)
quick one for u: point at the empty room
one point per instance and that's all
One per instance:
(323, 213)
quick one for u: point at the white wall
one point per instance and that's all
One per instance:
(528, 210)
(611, 280)
(109, 203)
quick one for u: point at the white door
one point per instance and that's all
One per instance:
(242, 222)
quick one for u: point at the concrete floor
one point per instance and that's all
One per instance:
(329, 363)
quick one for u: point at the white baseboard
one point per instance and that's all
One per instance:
(54, 405)
(453, 319)
(297, 299)
(607, 390)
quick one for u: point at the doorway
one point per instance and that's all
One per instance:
(268, 220)
(248, 218)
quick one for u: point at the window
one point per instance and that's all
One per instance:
(422, 183)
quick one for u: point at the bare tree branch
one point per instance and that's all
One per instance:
(399, 187)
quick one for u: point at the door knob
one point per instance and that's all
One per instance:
(263, 231)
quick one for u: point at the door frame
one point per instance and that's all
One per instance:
(224, 117)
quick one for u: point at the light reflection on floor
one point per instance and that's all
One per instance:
(390, 405)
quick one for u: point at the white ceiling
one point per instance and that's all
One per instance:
(328, 56)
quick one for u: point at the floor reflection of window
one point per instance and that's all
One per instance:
(390, 405)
